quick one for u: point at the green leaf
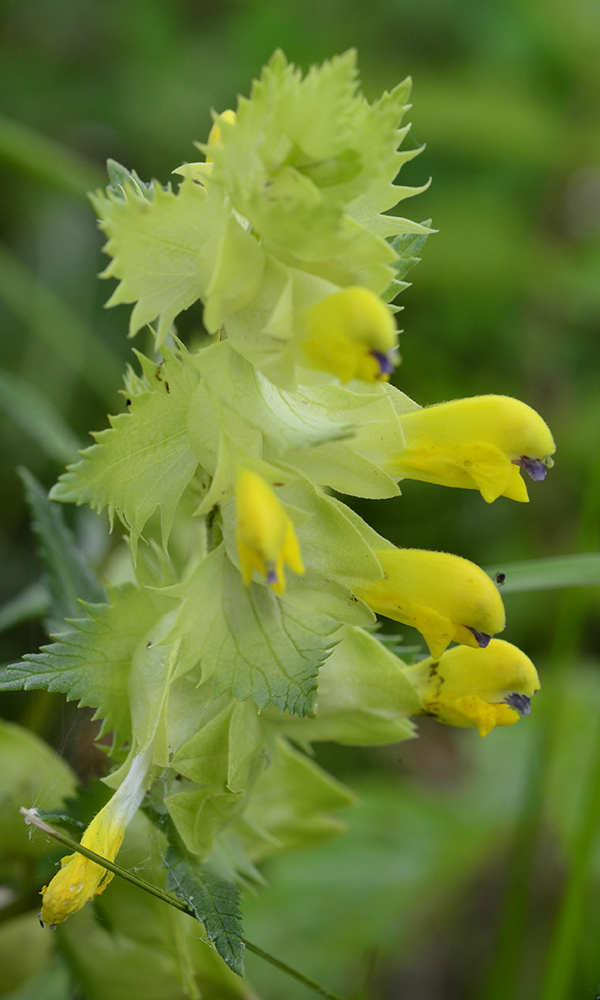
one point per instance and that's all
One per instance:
(355, 465)
(68, 577)
(83, 352)
(215, 902)
(223, 757)
(30, 605)
(407, 247)
(363, 698)
(123, 181)
(251, 642)
(33, 412)
(285, 419)
(52, 983)
(155, 244)
(78, 810)
(91, 661)
(291, 805)
(230, 269)
(23, 952)
(224, 753)
(578, 570)
(144, 460)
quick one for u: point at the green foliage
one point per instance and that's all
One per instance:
(363, 696)
(144, 461)
(154, 244)
(248, 641)
(31, 604)
(30, 774)
(407, 247)
(68, 578)
(31, 410)
(215, 902)
(329, 179)
(91, 661)
(291, 806)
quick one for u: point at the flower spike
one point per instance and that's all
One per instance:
(351, 334)
(476, 687)
(80, 879)
(447, 598)
(265, 536)
(479, 443)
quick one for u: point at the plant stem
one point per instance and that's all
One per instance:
(562, 952)
(51, 319)
(512, 938)
(35, 154)
(291, 972)
(31, 816)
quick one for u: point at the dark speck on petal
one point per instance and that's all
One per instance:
(272, 576)
(483, 640)
(519, 701)
(534, 467)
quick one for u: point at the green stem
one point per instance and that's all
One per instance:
(512, 938)
(31, 816)
(562, 952)
(52, 320)
(291, 972)
(35, 154)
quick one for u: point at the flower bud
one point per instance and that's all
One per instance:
(264, 534)
(352, 334)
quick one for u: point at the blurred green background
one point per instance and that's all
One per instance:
(471, 869)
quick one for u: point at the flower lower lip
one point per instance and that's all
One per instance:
(534, 467)
(519, 701)
(483, 639)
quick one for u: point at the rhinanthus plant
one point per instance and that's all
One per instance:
(247, 631)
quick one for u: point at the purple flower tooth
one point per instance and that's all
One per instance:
(384, 361)
(483, 639)
(519, 701)
(534, 467)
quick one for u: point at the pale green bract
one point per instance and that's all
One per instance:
(211, 672)
(290, 211)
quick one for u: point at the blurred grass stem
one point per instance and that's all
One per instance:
(47, 161)
(51, 319)
(508, 962)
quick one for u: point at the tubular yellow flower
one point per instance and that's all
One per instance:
(264, 533)
(480, 443)
(447, 598)
(351, 334)
(476, 687)
(80, 879)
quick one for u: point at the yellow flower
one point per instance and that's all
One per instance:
(352, 334)
(264, 533)
(480, 443)
(80, 879)
(476, 687)
(447, 598)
